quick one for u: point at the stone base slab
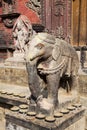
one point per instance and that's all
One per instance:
(74, 120)
(83, 85)
(2, 118)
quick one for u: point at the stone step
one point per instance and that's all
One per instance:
(13, 74)
(16, 60)
(15, 94)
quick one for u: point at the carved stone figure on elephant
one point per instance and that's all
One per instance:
(22, 32)
(53, 62)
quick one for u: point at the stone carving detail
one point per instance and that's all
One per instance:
(9, 22)
(22, 32)
(35, 5)
(59, 32)
(59, 8)
(8, 8)
(51, 63)
(57, 18)
(59, 12)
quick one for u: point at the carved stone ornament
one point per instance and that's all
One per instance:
(50, 63)
(59, 8)
(59, 32)
(8, 9)
(35, 5)
(9, 22)
(9, 6)
(22, 31)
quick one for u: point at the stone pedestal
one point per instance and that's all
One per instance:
(83, 90)
(17, 60)
(2, 118)
(74, 120)
(13, 74)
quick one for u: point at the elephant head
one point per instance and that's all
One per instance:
(41, 46)
(43, 52)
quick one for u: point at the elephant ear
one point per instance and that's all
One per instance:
(56, 52)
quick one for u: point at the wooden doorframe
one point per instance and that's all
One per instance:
(79, 22)
(48, 15)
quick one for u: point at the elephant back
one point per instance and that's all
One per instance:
(66, 49)
(46, 38)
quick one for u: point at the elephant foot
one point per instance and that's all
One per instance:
(45, 106)
(32, 103)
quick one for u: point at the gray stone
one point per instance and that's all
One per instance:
(75, 120)
(51, 63)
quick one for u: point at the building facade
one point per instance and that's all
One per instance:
(66, 19)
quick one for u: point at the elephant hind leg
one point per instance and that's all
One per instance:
(53, 86)
(69, 83)
(65, 83)
(73, 82)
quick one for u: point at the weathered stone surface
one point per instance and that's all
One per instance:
(2, 119)
(83, 100)
(54, 63)
(67, 122)
(13, 75)
(78, 125)
(83, 85)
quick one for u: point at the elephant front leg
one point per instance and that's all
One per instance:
(75, 83)
(50, 104)
(34, 81)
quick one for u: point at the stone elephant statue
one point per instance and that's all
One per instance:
(51, 63)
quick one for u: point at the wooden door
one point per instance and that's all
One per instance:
(56, 16)
(79, 20)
